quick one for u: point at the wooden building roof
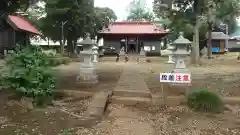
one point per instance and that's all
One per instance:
(218, 36)
(133, 27)
(19, 23)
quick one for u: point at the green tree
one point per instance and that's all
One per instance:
(11, 6)
(76, 19)
(221, 12)
(35, 14)
(78, 15)
(103, 16)
(137, 11)
(201, 13)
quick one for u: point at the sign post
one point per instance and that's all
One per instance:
(182, 79)
(180, 75)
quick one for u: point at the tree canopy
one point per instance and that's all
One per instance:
(199, 15)
(137, 10)
(77, 19)
(11, 6)
(103, 16)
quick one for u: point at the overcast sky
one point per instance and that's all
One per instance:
(118, 6)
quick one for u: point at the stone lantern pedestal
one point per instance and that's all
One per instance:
(95, 54)
(170, 55)
(87, 74)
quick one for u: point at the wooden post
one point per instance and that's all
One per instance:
(164, 98)
(186, 91)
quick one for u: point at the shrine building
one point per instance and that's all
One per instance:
(15, 29)
(132, 36)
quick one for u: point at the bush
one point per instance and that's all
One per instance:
(29, 74)
(204, 100)
(56, 61)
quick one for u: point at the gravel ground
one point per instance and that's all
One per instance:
(156, 120)
(77, 106)
(221, 75)
(218, 75)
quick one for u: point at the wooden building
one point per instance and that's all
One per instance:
(15, 30)
(234, 42)
(132, 36)
(218, 41)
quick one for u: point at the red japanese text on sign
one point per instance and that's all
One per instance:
(185, 78)
(178, 78)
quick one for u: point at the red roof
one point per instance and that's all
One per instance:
(23, 24)
(133, 27)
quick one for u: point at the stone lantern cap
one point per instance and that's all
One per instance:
(87, 41)
(87, 44)
(181, 40)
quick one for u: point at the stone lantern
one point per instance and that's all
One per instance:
(180, 52)
(87, 73)
(95, 54)
(142, 57)
(170, 55)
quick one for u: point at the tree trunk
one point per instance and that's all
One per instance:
(195, 50)
(209, 41)
(70, 48)
(165, 38)
(62, 48)
(75, 46)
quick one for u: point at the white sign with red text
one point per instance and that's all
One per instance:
(183, 78)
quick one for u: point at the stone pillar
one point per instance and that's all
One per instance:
(87, 73)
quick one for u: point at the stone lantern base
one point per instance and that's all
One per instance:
(87, 76)
(180, 66)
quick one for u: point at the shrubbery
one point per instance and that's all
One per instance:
(28, 74)
(204, 100)
(56, 61)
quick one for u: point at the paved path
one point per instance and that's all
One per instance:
(131, 79)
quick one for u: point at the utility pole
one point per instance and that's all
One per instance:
(226, 41)
(62, 36)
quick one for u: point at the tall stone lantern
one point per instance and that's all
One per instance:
(87, 73)
(180, 52)
(95, 53)
(170, 55)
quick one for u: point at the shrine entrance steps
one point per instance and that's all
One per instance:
(131, 87)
